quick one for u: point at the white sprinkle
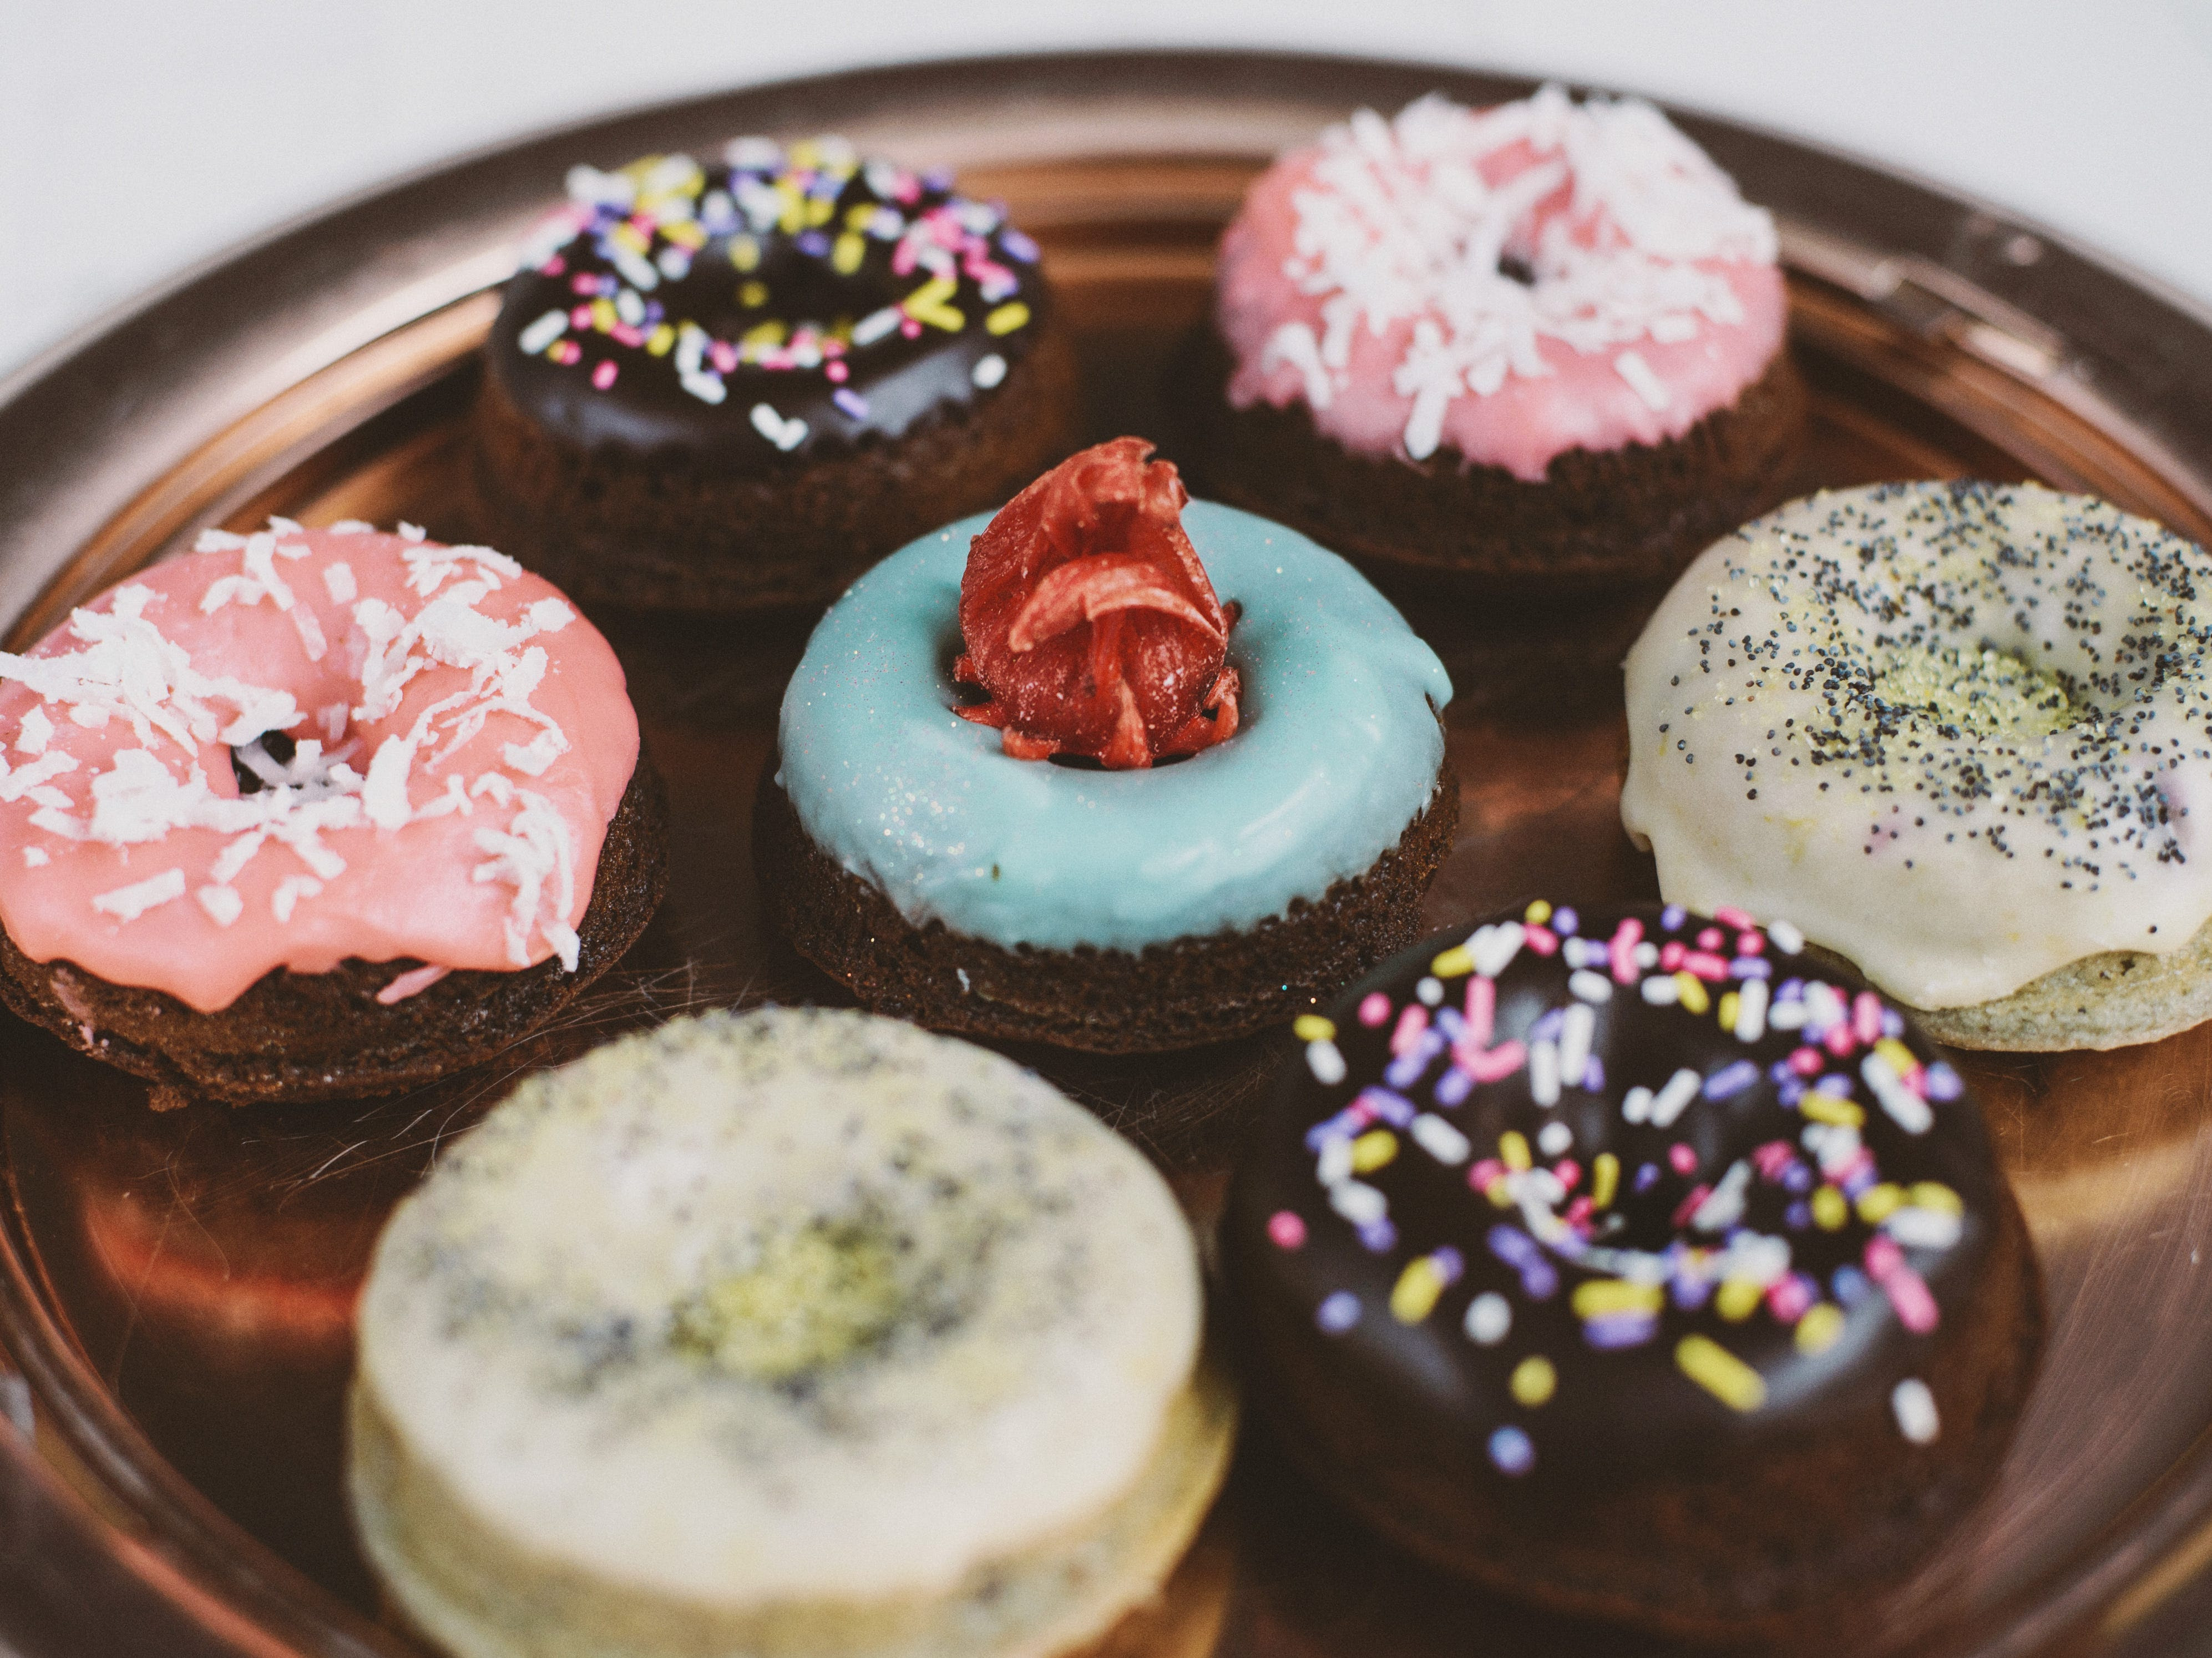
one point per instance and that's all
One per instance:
(1784, 937)
(1631, 367)
(1660, 990)
(289, 891)
(1576, 1031)
(35, 857)
(1554, 1138)
(1326, 1063)
(224, 903)
(1914, 1407)
(786, 434)
(1590, 986)
(757, 154)
(1785, 1016)
(1667, 1105)
(332, 717)
(1647, 956)
(1923, 1229)
(707, 388)
(129, 903)
(1429, 991)
(1751, 1011)
(339, 582)
(1724, 1207)
(384, 796)
(988, 371)
(541, 334)
(412, 531)
(1494, 947)
(1636, 1105)
(1489, 1316)
(1334, 1164)
(310, 632)
(877, 324)
(1361, 1204)
(35, 732)
(1909, 1111)
(1544, 1073)
(961, 974)
(352, 527)
(1294, 343)
(1440, 1139)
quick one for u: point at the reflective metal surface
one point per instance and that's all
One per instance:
(176, 1289)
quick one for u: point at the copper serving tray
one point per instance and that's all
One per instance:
(176, 1290)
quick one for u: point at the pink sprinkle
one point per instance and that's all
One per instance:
(1481, 1011)
(1806, 1061)
(1884, 1259)
(1750, 944)
(603, 375)
(1287, 1230)
(1683, 1157)
(568, 354)
(1489, 1067)
(836, 372)
(903, 256)
(1710, 939)
(625, 334)
(1483, 1173)
(1837, 1040)
(1541, 939)
(1689, 1205)
(1866, 1017)
(1374, 1009)
(1578, 1211)
(1567, 1171)
(725, 356)
(911, 329)
(553, 267)
(413, 983)
(1707, 965)
(1411, 1024)
(581, 317)
(1789, 1298)
(1626, 938)
(1773, 1159)
(583, 282)
(1671, 954)
(1735, 918)
(1916, 1307)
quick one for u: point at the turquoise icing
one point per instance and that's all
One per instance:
(1337, 751)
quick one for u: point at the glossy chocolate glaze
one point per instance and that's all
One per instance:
(776, 303)
(1615, 1414)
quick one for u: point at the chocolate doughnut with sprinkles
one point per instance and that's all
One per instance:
(1633, 1264)
(1963, 731)
(733, 386)
(311, 814)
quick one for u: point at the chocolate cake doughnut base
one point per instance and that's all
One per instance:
(1182, 994)
(307, 1036)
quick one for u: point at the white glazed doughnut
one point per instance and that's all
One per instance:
(785, 1332)
(1958, 734)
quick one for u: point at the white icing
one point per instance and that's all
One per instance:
(34, 732)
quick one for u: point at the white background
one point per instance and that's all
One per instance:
(139, 135)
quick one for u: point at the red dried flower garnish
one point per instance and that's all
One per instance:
(1089, 619)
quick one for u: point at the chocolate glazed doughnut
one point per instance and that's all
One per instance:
(1628, 1264)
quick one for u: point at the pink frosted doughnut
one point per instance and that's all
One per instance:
(461, 741)
(1378, 278)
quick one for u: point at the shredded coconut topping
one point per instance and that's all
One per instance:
(1611, 212)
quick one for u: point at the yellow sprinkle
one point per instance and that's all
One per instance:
(1690, 989)
(861, 216)
(1720, 1373)
(1600, 1296)
(744, 252)
(1499, 1195)
(1831, 1109)
(1372, 1150)
(818, 210)
(631, 237)
(1605, 1180)
(1533, 1380)
(1454, 964)
(1514, 1150)
(1738, 1299)
(603, 314)
(753, 293)
(767, 333)
(792, 218)
(927, 303)
(1818, 1330)
(658, 341)
(640, 169)
(684, 233)
(1901, 1059)
(1728, 1001)
(1415, 1294)
(805, 155)
(845, 258)
(1007, 318)
(1934, 1195)
(1537, 914)
(1878, 1203)
(1312, 1028)
(1830, 1209)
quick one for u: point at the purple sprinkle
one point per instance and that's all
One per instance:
(1797, 1217)
(1671, 917)
(1019, 245)
(1943, 1083)
(609, 288)
(1546, 1029)
(851, 402)
(1539, 1277)
(1341, 1127)
(1510, 1450)
(1338, 1314)
(1892, 1023)
(1751, 967)
(1448, 1020)
(1850, 1285)
(1690, 1293)
(1406, 1070)
(1621, 1330)
(1594, 1075)
(1798, 1178)
(937, 177)
(1860, 1181)
(1731, 1079)
(1453, 1086)
(1791, 1091)
(1565, 921)
(1835, 1084)
(1779, 1072)
(813, 243)
(1647, 1177)
(1448, 1263)
(653, 311)
(1793, 990)
(1379, 1237)
(1382, 1105)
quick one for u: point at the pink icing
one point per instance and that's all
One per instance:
(529, 725)
(1374, 231)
